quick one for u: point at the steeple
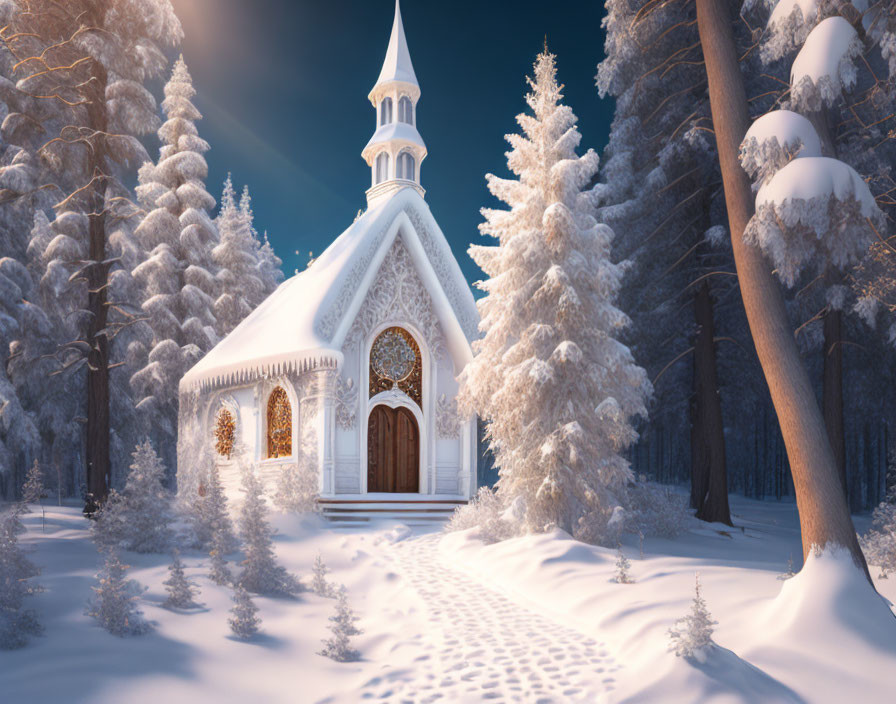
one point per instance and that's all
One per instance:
(395, 151)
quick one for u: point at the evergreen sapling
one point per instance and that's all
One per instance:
(692, 634)
(244, 621)
(623, 564)
(319, 583)
(16, 571)
(180, 589)
(114, 603)
(338, 647)
(219, 572)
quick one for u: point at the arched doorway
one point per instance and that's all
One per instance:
(393, 451)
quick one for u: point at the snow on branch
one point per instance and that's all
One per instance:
(775, 139)
(825, 65)
(814, 209)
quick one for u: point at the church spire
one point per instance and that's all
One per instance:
(395, 151)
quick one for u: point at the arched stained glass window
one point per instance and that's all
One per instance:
(395, 363)
(382, 167)
(225, 433)
(406, 110)
(406, 166)
(279, 424)
(385, 111)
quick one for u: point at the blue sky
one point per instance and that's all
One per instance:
(283, 85)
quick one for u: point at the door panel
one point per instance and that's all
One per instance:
(393, 451)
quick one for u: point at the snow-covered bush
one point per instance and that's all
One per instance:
(692, 634)
(114, 602)
(139, 517)
(244, 621)
(33, 488)
(261, 573)
(16, 571)
(180, 589)
(555, 386)
(879, 543)
(487, 513)
(209, 514)
(623, 565)
(655, 510)
(319, 583)
(297, 488)
(338, 647)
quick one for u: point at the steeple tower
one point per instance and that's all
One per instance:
(395, 151)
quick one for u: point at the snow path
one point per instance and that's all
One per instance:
(487, 646)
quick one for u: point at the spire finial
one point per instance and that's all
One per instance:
(545, 40)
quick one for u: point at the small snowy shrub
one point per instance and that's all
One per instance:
(296, 489)
(879, 543)
(33, 488)
(180, 589)
(692, 634)
(655, 510)
(139, 517)
(114, 603)
(789, 573)
(343, 627)
(623, 565)
(486, 512)
(261, 573)
(16, 571)
(319, 583)
(244, 621)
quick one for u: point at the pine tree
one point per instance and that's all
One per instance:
(261, 573)
(16, 571)
(244, 622)
(180, 589)
(219, 572)
(139, 517)
(209, 513)
(33, 489)
(297, 487)
(319, 583)
(548, 354)
(692, 634)
(623, 565)
(114, 604)
(338, 647)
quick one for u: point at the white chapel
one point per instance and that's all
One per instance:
(351, 365)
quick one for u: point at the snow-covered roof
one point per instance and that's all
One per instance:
(397, 66)
(395, 131)
(303, 324)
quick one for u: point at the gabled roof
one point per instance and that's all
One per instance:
(303, 324)
(397, 66)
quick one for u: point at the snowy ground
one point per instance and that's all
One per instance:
(445, 618)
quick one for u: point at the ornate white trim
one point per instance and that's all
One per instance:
(447, 418)
(346, 403)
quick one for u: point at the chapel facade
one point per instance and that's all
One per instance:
(351, 366)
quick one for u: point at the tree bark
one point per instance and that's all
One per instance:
(708, 442)
(824, 516)
(97, 445)
(832, 389)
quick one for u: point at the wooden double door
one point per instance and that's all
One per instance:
(393, 451)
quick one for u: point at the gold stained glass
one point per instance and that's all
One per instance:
(395, 362)
(225, 432)
(279, 424)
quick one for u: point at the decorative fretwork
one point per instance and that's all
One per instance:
(279, 424)
(447, 418)
(395, 363)
(225, 433)
(346, 403)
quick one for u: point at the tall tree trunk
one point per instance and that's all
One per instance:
(97, 445)
(832, 389)
(824, 516)
(710, 473)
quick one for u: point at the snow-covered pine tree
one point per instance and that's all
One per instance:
(219, 572)
(269, 264)
(16, 573)
(177, 277)
(244, 621)
(261, 573)
(236, 257)
(879, 543)
(139, 517)
(691, 636)
(33, 488)
(114, 602)
(180, 589)
(209, 513)
(297, 487)
(338, 646)
(555, 386)
(97, 84)
(319, 583)
(623, 565)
